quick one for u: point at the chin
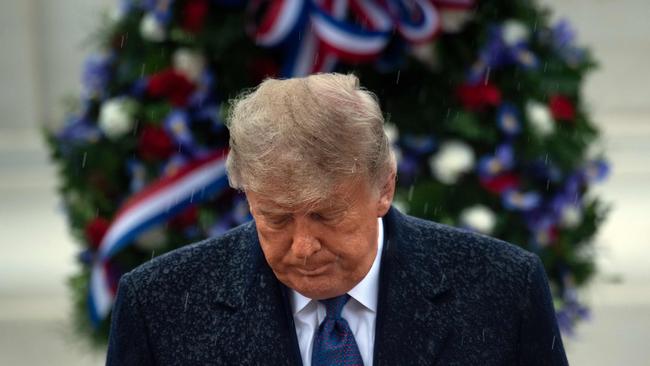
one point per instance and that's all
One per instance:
(318, 287)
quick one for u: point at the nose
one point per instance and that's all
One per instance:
(304, 242)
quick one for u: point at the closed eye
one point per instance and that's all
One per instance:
(326, 218)
(278, 221)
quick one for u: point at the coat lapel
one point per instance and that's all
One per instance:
(261, 311)
(414, 307)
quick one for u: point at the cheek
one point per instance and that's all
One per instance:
(357, 244)
(274, 245)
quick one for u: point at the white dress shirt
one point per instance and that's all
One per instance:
(360, 311)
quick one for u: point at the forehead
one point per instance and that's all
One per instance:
(340, 198)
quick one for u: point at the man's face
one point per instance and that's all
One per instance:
(323, 251)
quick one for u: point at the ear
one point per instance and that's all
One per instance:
(386, 193)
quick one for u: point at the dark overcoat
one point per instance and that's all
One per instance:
(446, 297)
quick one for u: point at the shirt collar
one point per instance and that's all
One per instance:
(365, 292)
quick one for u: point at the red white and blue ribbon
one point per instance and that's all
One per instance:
(282, 18)
(196, 181)
(316, 33)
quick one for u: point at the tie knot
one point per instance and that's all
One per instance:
(334, 305)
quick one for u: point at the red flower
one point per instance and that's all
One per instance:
(500, 183)
(95, 231)
(194, 13)
(475, 97)
(172, 85)
(187, 217)
(155, 143)
(561, 108)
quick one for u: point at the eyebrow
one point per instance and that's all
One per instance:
(271, 212)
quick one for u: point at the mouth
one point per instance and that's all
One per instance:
(315, 271)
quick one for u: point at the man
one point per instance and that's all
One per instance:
(328, 273)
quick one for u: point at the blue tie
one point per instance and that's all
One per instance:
(334, 343)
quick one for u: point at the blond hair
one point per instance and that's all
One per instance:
(297, 139)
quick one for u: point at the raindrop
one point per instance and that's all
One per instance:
(152, 253)
(398, 73)
(487, 76)
(142, 70)
(83, 161)
(545, 66)
(410, 196)
(426, 207)
(548, 183)
(187, 296)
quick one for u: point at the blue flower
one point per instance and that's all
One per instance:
(596, 171)
(172, 165)
(79, 130)
(96, 75)
(520, 201)
(86, 257)
(497, 53)
(524, 57)
(508, 119)
(204, 92)
(177, 124)
(161, 9)
(137, 173)
(500, 162)
(408, 167)
(418, 144)
(563, 35)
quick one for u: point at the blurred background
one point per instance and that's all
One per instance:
(43, 45)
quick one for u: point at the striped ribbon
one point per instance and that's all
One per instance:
(194, 182)
(317, 33)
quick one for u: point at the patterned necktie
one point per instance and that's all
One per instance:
(334, 343)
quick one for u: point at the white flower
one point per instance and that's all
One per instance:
(540, 117)
(571, 216)
(151, 239)
(453, 20)
(479, 218)
(189, 63)
(151, 29)
(116, 116)
(514, 32)
(453, 159)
